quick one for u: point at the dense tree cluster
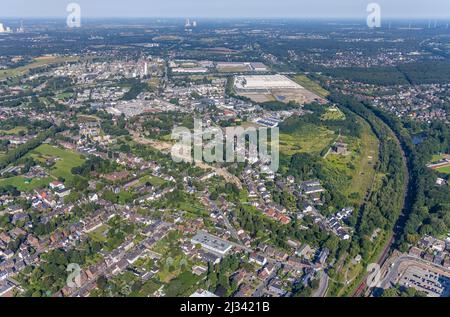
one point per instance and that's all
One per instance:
(384, 207)
(428, 204)
(15, 154)
(51, 276)
(94, 164)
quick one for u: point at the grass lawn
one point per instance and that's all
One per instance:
(99, 234)
(311, 85)
(307, 138)
(155, 181)
(165, 276)
(153, 83)
(444, 170)
(87, 118)
(64, 95)
(149, 288)
(63, 166)
(333, 113)
(183, 285)
(14, 131)
(437, 158)
(45, 101)
(125, 197)
(193, 206)
(22, 184)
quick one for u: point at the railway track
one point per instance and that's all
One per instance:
(401, 219)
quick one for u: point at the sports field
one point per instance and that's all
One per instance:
(444, 170)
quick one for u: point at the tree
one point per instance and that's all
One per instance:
(102, 282)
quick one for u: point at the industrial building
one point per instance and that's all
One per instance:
(264, 82)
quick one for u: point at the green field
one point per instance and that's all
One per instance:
(359, 165)
(99, 234)
(311, 85)
(87, 118)
(38, 62)
(63, 166)
(14, 131)
(353, 173)
(307, 138)
(192, 206)
(444, 170)
(155, 181)
(22, 184)
(64, 95)
(436, 158)
(333, 113)
(237, 69)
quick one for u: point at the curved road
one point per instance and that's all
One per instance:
(323, 286)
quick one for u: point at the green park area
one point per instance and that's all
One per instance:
(333, 113)
(352, 172)
(359, 165)
(14, 131)
(153, 180)
(100, 234)
(307, 138)
(24, 184)
(64, 95)
(436, 158)
(64, 160)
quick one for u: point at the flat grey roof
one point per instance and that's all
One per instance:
(211, 241)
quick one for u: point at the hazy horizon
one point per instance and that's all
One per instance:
(288, 9)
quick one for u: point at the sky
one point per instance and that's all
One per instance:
(408, 9)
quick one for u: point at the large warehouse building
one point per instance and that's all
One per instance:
(264, 82)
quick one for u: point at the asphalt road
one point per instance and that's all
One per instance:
(392, 274)
(323, 286)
